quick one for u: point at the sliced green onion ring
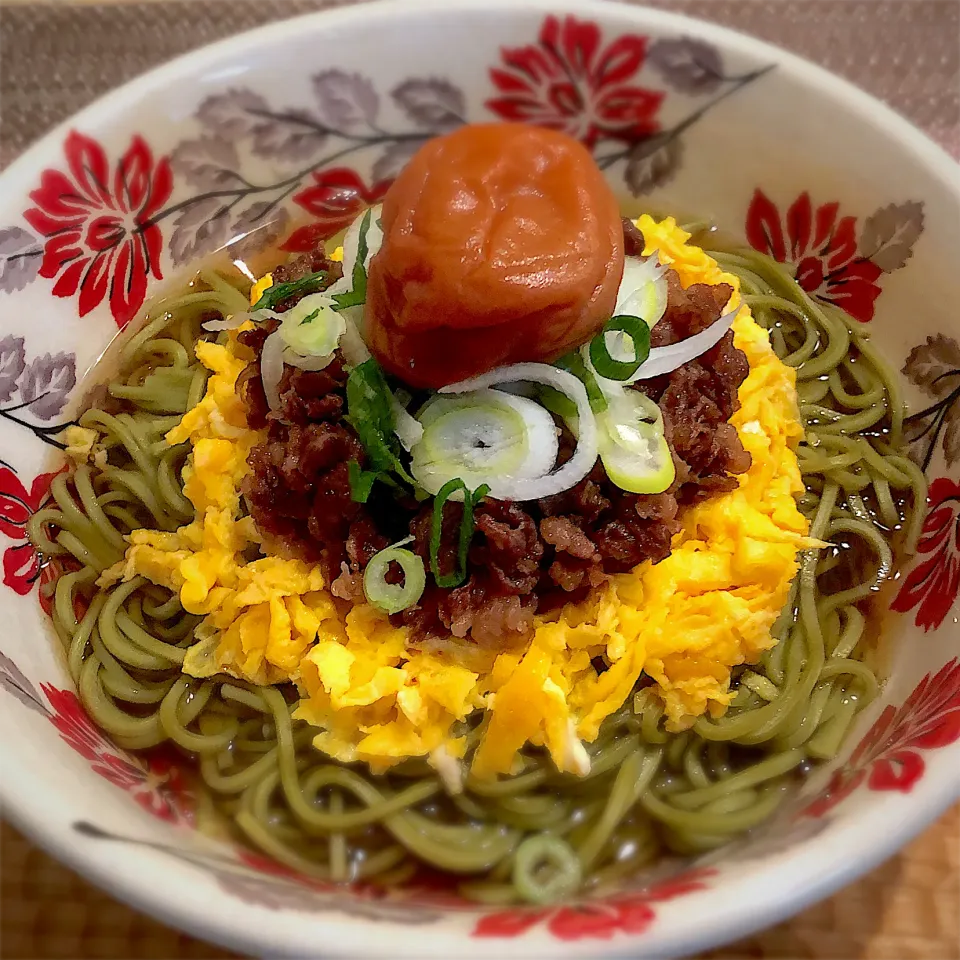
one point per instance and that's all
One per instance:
(585, 455)
(311, 364)
(447, 491)
(361, 481)
(639, 335)
(483, 436)
(664, 360)
(574, 363)
(279, 292)
(408, 429)
(236, 320)
(364, 236)
(558, 404)
(643, 289)
(352, 347)
(394, 597)
(633, 445)
(271, 368)
(311, 327)
(546, 869)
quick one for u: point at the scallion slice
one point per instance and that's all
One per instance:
(280, 291)
(573, 363)
(394, 597)
(556, 402)
(585, 454)
(369, 412)
(312, 327)
(666, 359)
(360, 243)
(358, 293)
(643, 289)
(639, 338)
(482, 436)
(361, 481)
(633, 445)
(459, 575)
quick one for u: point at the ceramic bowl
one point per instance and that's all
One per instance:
(281, 135)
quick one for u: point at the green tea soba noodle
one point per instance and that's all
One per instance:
(538, 835)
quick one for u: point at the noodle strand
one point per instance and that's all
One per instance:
(538, 834)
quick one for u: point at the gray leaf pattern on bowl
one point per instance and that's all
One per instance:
(889, 234)
(231, 114)
(12, 361)
(688, 65)
(258, 226)
(13, 680)
(652, 163)
(46, 384)
(394, 158)
(208, 162)
(934, 366)
(19, 258)
(345, 121)
(296, 137)
(432, 103)
(39, 388)
(199, 229)
(347, 100)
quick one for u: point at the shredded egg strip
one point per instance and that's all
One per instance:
(684, 622)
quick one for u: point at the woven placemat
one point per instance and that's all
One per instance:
(55, 58)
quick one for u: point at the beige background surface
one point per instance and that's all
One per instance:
(57, 57)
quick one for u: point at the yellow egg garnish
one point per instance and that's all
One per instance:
(80, 443)
(256, 291)
(684, 622)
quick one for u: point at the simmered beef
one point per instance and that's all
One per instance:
(523, 557)
(307, 263)
(633, 242)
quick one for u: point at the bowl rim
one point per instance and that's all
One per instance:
(815, 870)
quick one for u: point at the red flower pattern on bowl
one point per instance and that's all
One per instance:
(23, 567)
(823, 247)
(570, 81)
(101, 240)
(889, 757)
(601, 919)
(100, 223)
(933, 585)
(102, 244)
(335, 199)
(155, 782)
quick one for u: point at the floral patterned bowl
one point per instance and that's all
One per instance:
(282, 135)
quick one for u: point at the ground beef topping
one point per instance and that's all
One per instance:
(523, 557)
